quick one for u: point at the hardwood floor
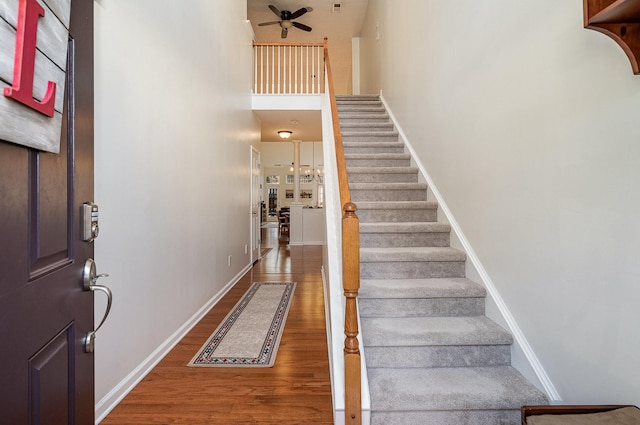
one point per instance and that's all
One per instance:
(296, 390)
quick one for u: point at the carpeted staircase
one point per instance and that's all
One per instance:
(432, 355)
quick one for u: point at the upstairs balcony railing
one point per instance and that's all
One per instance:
(305, 69)
(292, 68)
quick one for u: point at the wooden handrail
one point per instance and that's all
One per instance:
(350, 268)
(345, 195)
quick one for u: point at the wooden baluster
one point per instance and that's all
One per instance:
(351, 284)
(267, 66)
(313, 70)
(306, 90)
(290, 71)
(262, 62)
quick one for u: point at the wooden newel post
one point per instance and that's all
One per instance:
(351, 284)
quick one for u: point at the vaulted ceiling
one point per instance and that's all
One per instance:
(324, 22)
(338, 26)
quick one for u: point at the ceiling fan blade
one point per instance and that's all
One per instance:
(275, 10)
(268, 23)
(298, 13)
(303, 27)
(284, 33)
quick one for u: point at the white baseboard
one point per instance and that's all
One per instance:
(313, 243)
(339, 419)
(120, 391)
(517, 333)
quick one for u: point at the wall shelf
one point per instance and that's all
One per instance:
(620, 20)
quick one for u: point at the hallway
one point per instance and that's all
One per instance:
(296, 390)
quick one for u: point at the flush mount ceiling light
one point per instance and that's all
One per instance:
(285, 134)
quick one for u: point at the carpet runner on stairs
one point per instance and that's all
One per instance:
(433, 357)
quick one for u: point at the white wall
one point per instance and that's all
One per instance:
(172, 171)
(528, 124)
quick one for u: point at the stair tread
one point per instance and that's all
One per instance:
(357, 96)
(404, 227)
(432, 330)
(362, 114)
(360, 125)
(420, 253)
(369, 133)
(387, 186)
(396, 205)
(358, 102)
(459, 388)
(376, 156)
(372, 144)
(420, 288)
(361, 108)
(373, 116)
(383, 170)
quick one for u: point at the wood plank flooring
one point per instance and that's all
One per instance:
(296, 390)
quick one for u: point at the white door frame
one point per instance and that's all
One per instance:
(255, 213)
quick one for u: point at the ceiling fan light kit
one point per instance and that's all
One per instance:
(286, 20)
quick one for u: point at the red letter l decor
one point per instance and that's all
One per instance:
(25, 58)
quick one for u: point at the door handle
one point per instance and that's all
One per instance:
(89, 279)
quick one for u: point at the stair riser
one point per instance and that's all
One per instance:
(361, 101)
(455, 417)
(383, 178)
(413, 307)
(389, 195)
(346, 127)
(438, 356)
(411, 269)
(360, 109)
(364, 120)
(397, 215)
(377, 162)
(382, 240)
(360, 106)
(383, 148)
(370, 139)
(356, 97)
(342, 115)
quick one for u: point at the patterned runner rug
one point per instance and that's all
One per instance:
(250, 334)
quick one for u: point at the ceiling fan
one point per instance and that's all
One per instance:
(286, 18)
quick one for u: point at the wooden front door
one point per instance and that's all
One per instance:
(45, 375)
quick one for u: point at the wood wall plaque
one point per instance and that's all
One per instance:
(23, 120)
